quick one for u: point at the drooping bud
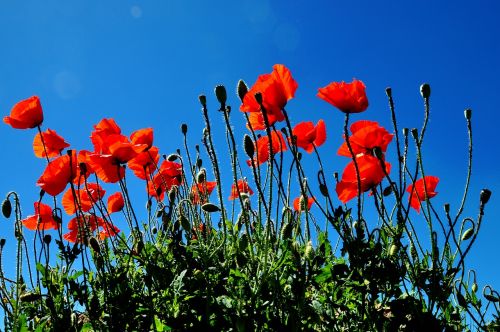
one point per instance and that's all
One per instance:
(249, 146)
(324, 190)
(484, 196)
(387, 191)
(425, 90)
(203, 100)
(209, 207)
(221, 94)
(94, 245)
(184, 128)
(468, 113)
(6, 208)
(172, 157)
(242, 89)
(468, 234)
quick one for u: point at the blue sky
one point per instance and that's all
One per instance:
(145, 62)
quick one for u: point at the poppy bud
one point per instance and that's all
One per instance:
(94, 245)
(474, 287)
(172, 193)
(6, 208)
(468, 234)
(209, 207)
(414, 133)
(484, 196)
(47, 238)
(387, 191)
(425, 90)
(186, 225)
(201, 176)
(388, 92)
(221, 94)
(299, 156)
(258, 98)
(184, 128)
(30, 297)
(286, 231)
(447, 208)
(405, 131)
(172, 157)
(2, 243)
(468, 113)
(324, 190)
(203, 100)
(249, 146)
(393, 250)
(154, 230)
(199, 163)
(242, 89)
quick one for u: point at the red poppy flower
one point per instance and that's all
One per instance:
(25, 114)
(108, 230)
(121, 149)
(297, 206)
(309, 135)
(366, 135)
(423, 189)
(42, 219)
(201, 229)
(106, 168)
(169, 174)
(84, 169)
(277, 88)
(54, 144)
(204, 189)
(85, 198)
(115, 202)
(143, 136)
(347, 97)
(370, 174)
(278, 144)
(102, 130)
(243, 187)
(82, 227)
(145, 163)
(58, 174)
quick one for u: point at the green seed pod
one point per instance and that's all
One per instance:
(242, 89)
(468, 234)
(209, 207)
(6, 208)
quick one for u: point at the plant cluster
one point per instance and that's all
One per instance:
(282, 252)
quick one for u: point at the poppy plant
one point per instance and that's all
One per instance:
(366, 135)
(48, 144)
(243, 187)
(115, 202)
(84, 200)
(42, 219)
(299, 203)
(308, 136)
(370, 174)
(203, 189)
(347, 97)
(278, 144)
(102, 130)
(58, 173)
(276, 88)
(422, 190)
(25, 114)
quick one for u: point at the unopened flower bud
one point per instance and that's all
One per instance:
(468, 234)
(405, 131)
(172, 193)
(172, 157)
(6, 208)
(184, 128)
(209, 207)
(324, 190)
(484, 196)
(94, 245)
(425, 90)
(242, 89)
(299, 156)
(47, 238)
(468, 113)
(199, 162)
(447, 208)
(2, 242)
(221, 94)
(203, 100)
(249, 146)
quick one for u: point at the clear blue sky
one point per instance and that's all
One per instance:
(145, 62)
